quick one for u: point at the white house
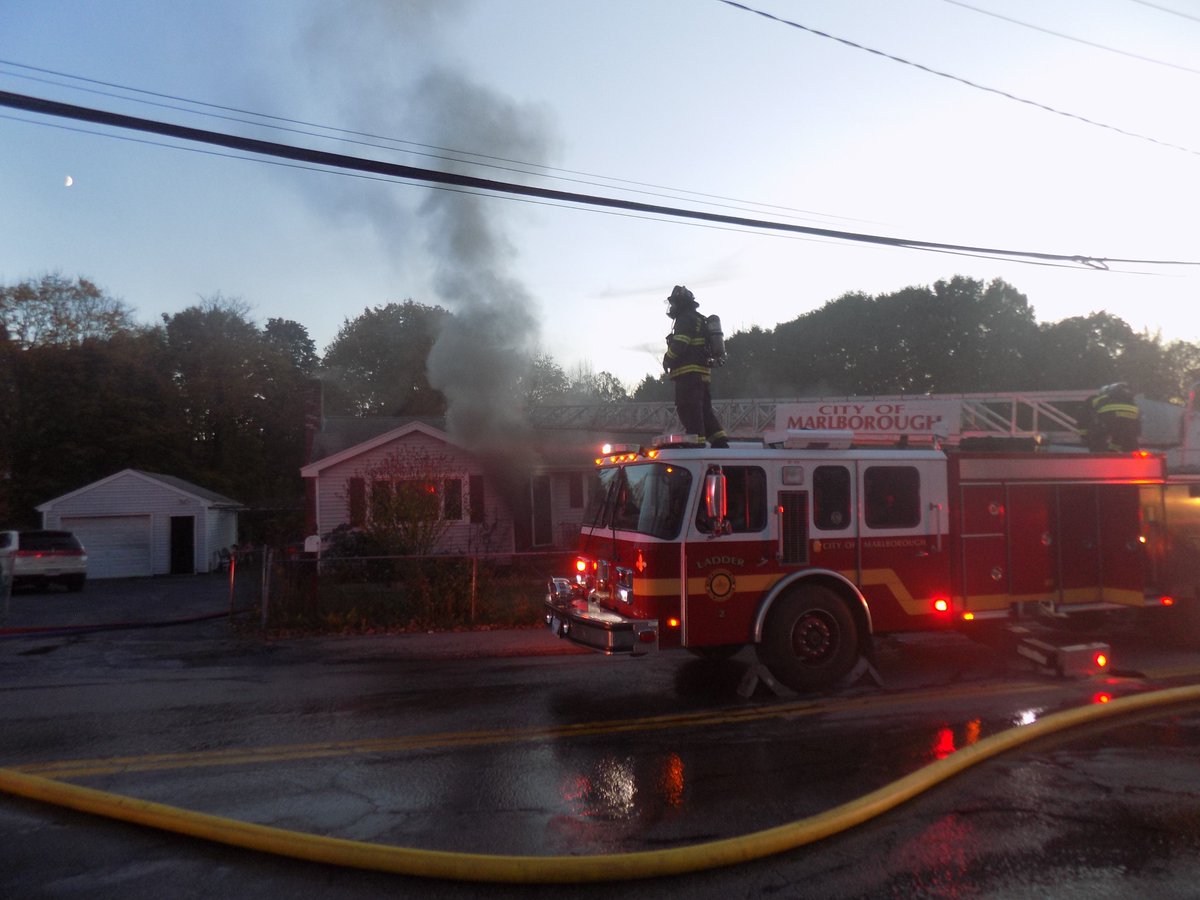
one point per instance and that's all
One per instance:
(140, 523)
(351, 459)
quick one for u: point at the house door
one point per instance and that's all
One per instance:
(183, 545)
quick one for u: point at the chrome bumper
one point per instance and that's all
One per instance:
(587, 625)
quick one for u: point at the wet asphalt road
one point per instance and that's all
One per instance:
(511, 742)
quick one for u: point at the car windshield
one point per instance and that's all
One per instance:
(649, 498)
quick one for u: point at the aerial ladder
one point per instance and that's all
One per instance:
(1047, 417)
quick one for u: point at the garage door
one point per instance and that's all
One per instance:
(117, 546)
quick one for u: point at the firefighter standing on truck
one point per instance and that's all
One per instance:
(1115, 421)
(687, 362)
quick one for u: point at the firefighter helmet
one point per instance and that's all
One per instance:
(680, 298)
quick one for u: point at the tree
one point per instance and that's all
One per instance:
(54, 311)
(242, 399)
(378, 360)
(291, 340)
(546, 382)
(84, 412)
(588, 386)
(1098, 349)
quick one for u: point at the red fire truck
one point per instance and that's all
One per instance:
(806, 544)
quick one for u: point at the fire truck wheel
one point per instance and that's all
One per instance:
(810, 641)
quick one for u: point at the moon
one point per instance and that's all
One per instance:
(68, 181)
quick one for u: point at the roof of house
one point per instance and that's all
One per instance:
(344, 436)
(210, 498)
(340, 433)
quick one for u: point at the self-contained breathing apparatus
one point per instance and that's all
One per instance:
(714, 340)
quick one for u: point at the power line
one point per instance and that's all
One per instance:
(370, 139)
(394, 170)
(1068, 37)
(1034, 103)
(1166, 9)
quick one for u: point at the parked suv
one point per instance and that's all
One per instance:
(47, 557)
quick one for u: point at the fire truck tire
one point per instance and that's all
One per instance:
(810, 641)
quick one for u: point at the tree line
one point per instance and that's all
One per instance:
(210, 396)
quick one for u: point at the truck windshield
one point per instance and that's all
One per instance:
(649, 498)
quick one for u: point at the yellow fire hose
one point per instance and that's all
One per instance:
(564, 869)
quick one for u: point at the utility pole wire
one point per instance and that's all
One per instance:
(980, 87)
(1068, 37)
(1167, 9)
(394, 170)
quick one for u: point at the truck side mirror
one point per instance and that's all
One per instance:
(715, 498)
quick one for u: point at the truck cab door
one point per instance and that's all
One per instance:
(727, 565)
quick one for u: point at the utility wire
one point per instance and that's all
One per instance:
(393, 170)
(371, 140)
(1166, 9)
(1034, 103)
(1078, 40)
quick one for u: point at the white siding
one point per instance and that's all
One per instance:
(117, 546)
(445, 461)
(114, 500)
(566, 517)
(221, 532)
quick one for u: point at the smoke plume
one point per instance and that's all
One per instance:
(486, 348)
(389, 70)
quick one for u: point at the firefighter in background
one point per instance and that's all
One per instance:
(1114, 420)
(687, 363)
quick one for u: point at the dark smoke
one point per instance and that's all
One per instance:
(488, 345)
(365, 53)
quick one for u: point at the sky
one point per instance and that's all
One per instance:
(692, 104)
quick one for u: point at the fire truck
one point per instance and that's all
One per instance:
(860, 518)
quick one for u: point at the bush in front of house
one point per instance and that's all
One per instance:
(369, 593)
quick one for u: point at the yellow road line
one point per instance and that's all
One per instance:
(84, 768)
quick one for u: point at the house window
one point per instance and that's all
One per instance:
(408, 499)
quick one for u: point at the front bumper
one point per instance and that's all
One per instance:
(585, 623)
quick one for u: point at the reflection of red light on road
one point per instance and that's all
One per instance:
(973, 729)
(672, 780)
(943, 744)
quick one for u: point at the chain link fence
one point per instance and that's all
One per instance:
(393, 593)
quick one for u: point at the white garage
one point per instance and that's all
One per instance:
(117, 546)
(136, 523)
